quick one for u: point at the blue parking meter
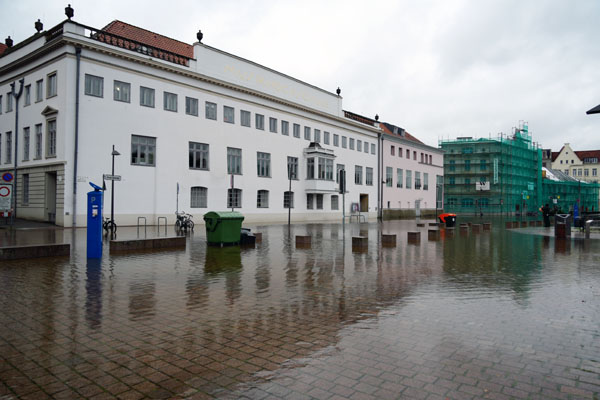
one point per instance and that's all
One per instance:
(94, 222)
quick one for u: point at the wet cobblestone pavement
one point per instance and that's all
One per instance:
(501, 314)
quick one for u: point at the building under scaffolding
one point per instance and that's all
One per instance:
(562, 192)
(500, 175)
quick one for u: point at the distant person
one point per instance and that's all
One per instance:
(546, 214)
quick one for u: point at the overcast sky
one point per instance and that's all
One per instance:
(438, 69)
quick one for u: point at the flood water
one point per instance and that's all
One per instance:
(498, 314)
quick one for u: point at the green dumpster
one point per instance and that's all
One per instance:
(223, 227)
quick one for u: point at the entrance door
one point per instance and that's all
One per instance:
(364, 203)
(417, 208)
(50, 202)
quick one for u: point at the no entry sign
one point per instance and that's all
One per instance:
(5, 197)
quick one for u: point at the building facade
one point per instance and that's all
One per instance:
(198, 129)
(582, 165)
(412, 174)
(492, 176)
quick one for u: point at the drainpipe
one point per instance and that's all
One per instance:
(17, 96)
(78, 55)
(379, 177)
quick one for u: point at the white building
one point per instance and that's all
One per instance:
(222, 129)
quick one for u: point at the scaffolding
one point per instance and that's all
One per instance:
(563, 195)
(499, 175)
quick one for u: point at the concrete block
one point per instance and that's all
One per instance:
(119, 246)
(487, 226)
(303, 241)
(523, 224)
(420, 224)
(532, 223)
(360, 243)
(538, 223)
(414, 237)
(560, 230)
(388, 240)
(508, 225)
(476, 228)
(433, 234)
(34, 251)
(258, 236)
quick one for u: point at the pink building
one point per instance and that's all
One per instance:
(412, 175)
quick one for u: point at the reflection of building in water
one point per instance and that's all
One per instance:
(225, 262)
(142, 299)
(93, 287)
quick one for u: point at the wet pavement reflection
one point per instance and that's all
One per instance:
(495, 314)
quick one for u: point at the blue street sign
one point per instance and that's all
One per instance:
(7, 177)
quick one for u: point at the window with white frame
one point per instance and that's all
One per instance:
(143, 150)
(38, 141)
(326, 136)
(146, 97)
(336, 140)
(245, 118)
(338, 168)
(26, 143)
(389, 171)
(400, 152)
(358, 171)
(259, 121)
(307, 132)
(372, 148)
(234, 161)
(310, 201)
(272, 124)
(234, 198)
(319, 201)
(369, 176)
(122, 91)
(335, 202)
(170, 100)
(288, 199)
(191, 106)
(399, 178)
(27, 96)
(317, 136)
(417, 180)
(9, 102)
(199, 197)
(51, 138)
(366, 145)
(51, 85)
(198, 155)
(210, 110)
(0, 104)
(292, 168)
(408, 179)
(262, 199)
(310, 168)
(296, 130)
(351, 144)
(285, 128)
(94, 86)
(344, 142)
(425, 181)
(8, 157)
(263, 164)
(228, 114)
(594, 172)
(359, 145)
(25, 199)
(39, 90)
(325, 169)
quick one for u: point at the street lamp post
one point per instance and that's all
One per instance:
(112, 192)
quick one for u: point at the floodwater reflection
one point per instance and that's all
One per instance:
(238, 322)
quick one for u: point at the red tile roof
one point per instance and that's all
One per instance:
(149, 38)
(588, 154)
(3, 47)
(555, 155)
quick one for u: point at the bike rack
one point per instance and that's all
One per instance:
(158, 229)
(138, 226)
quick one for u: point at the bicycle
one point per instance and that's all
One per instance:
(184, 221)
(109, 226)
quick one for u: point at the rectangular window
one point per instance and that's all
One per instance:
(338, 168)
(317, 136)
(39, 90)
(482, 165)
(351, 144)
(372, 148)
(170, 100)
(51, 85)
(392, 151)
(319, 201)
(336, 140)
(369, 176)
(191, 106)
(259, 121)
(594, 172)
(143, 150)
(400, 152)
(228, 114)
(399, 178)
(8, 158)
(272, 124)
(262, 199)
(288, 199)
(94, 86)
(307, 133)
(146, 97)
(325, 169)
(358, 175)
(417, 180)
(122, 91)
(310, 168)
(26, 142)
(210, 110)
(344, 142)
(452, 166)
(414, 155)
(234, 198)
(9, 102)
(326, 137)
(27, 96)
(292, 167)
(245, 118)
(0, 104)
(389, 171)
(38, 141)
(467, 181)
(234, 161)
(408, 179)
(51, 136)
(310, 202)
(425, 181)
(586, 172)
(366, 147)
(0, 147)
(263, 164)
(359, 145)
(296, 130)
(467, 165)
(198, 155)
(199, 197)
(430, 159)
(285, 128)
(25, 189)
(335, 202)
(408, 154)
(452, 181)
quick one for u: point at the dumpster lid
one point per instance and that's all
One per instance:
(223, 215)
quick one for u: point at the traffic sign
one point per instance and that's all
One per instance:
(111, 177)
(7, 177)
(5, 196)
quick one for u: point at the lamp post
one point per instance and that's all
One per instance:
(112, 192)
(16, 93)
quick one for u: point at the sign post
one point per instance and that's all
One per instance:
(5, 199)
